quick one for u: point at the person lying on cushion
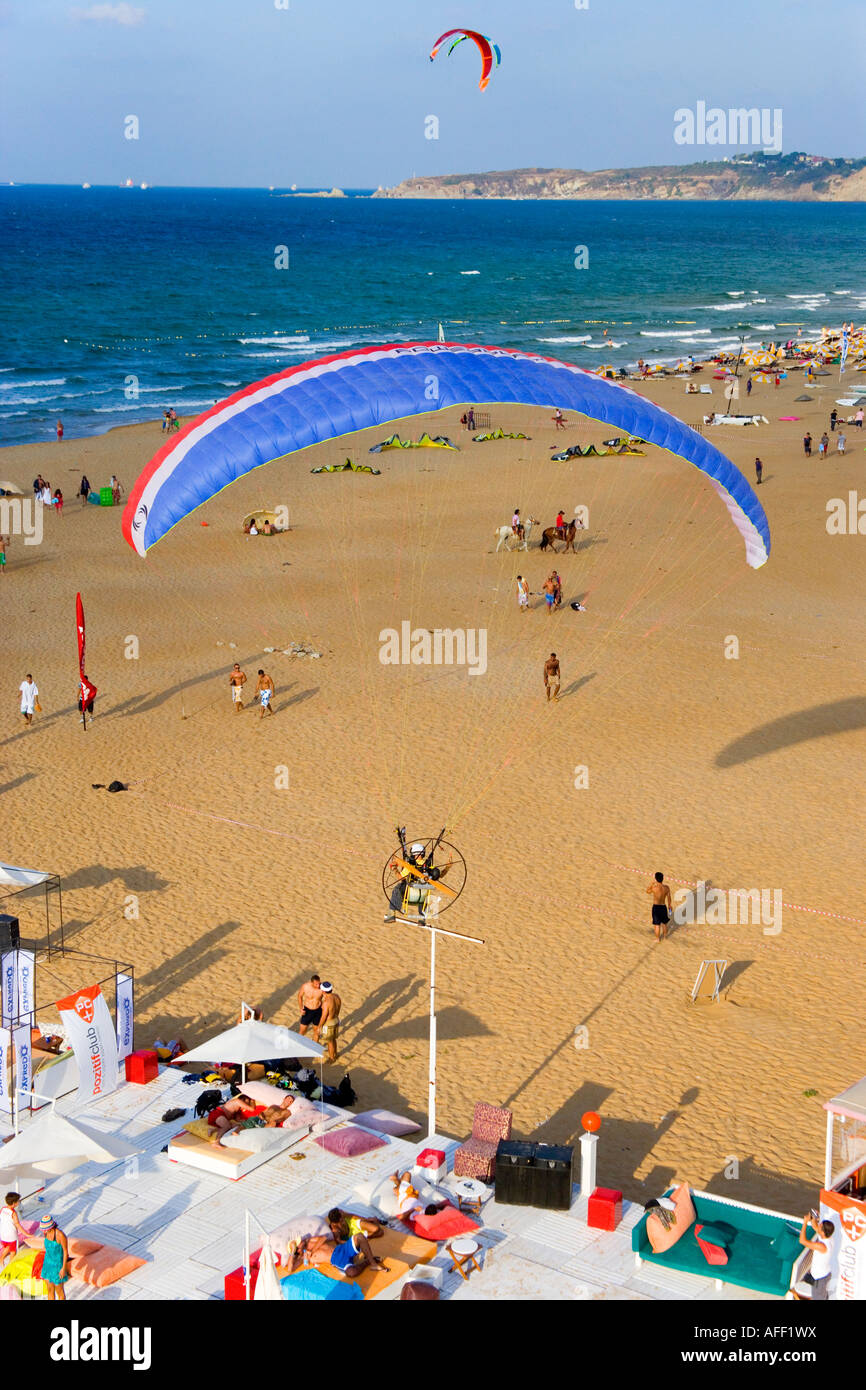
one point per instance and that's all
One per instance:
(250, 1116)
(409, 1204)
(351, 1255)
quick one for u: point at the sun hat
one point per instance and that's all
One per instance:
(46, 1223)
(327, 987)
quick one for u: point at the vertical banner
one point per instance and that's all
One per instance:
(125, 1015)
(90, 1033)
(23, 1063)
(9, 989)
(26, 982)
(5, 1093)
(849, 1217)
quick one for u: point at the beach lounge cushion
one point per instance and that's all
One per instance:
(200, 1128)
(386, 1122)
(253, 1141)
(304, 1113)
(350, 1142)
(263, 1093)
(786, 1246)
(309, 1285)
(712, 1243)
(661, 1239)
(444, 1225)
(104, 1266)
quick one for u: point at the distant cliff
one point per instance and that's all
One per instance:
(794, 177)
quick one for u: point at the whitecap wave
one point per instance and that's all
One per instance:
(470, 272)
(18, 385)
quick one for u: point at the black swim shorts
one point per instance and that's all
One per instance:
(311, 1017)
(660, 915)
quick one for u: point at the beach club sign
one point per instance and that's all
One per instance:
(17, 978)
(90, 1032)
(125, 1014)
(18, 1077)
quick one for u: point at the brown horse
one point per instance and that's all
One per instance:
(551, 535)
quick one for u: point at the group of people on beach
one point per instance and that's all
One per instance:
(264, 690)
(551, 591)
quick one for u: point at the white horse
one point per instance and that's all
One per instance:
(505, 533)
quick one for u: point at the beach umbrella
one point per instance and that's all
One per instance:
(54, 1144)
(253, 1041)
(267, 1284)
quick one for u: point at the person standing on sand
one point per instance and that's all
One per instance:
(331, 1006)
(662, 906)
(557, 588)
(759, 471)
(265, 692)
(84, 489)
(807, 444)
(470, 418)
(825, 444)
(749, 387)
(840, 443)
(59, 431)
(29, 698)
(237, 680)
(858, 418)
(552, 676)
(4, 541)
(522, 594)
(310, 1004)
(550, 593)
(833, 417)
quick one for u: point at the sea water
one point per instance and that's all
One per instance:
(118, 303)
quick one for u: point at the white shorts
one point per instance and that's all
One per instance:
(237, 694)
(524, 600)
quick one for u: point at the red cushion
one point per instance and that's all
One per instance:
(713, 1254)
(444, 1225)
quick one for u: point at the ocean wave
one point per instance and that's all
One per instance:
(158, 390)
(734, 294)
(582, 338)
(819, 294)
(277, 340)
(763, 327)
(17, 385)
(470, 272)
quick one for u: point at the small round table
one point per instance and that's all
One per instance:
(470, 1194)
(463, 1251)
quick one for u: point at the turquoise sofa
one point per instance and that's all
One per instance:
(762, 1247)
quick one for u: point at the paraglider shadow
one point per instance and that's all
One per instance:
(751, 1182)
(136, 880)
(10, 786)
(451, 1022)
(390, 998)
(840, 716)
(298, 699)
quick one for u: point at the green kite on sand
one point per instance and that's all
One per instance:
(497, 434)
(347, 467)
(394, 441)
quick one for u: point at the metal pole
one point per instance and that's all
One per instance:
(431, 1106)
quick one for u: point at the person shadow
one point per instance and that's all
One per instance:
(573, 688)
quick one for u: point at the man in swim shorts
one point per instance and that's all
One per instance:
(662, 905)
(550, 593)
(310, 1005)
(237, 680)
(331, 1006)
(551, 675)
(351, 1254)
(265, 692)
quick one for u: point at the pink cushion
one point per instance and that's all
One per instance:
(444, 1225)
(104, 1266)
(349, 1142)
(387, 1122)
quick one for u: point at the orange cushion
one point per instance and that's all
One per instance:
(661, 1239)
(104, 1266)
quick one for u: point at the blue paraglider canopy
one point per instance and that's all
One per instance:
(334, 396)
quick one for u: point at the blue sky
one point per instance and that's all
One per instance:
(239, 92)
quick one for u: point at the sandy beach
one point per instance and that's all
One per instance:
(743, 772)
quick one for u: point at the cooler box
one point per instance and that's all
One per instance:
(105, 497)
(514, 1172)
(605, 1209)
(430, 1165)
(142, 1067)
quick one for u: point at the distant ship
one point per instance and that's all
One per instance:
(128, 183)
(294, 187)
(143, 185)
(270, 188)
(85, 185)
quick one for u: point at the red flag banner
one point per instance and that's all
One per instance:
(88, 692)
(79, 621)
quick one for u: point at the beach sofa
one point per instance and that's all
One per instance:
(762, 1246)
(242, 1152)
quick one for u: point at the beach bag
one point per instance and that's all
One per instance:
(207, 1101)
(37, 707)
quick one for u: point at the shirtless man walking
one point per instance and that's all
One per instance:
(331, 1006)
(237, 680)
(662, 906)
(265, 692)
(310, 1004)
(551, 675)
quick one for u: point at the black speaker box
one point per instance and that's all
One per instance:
(514, 1172)
(10, 937)
(551, 1177)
